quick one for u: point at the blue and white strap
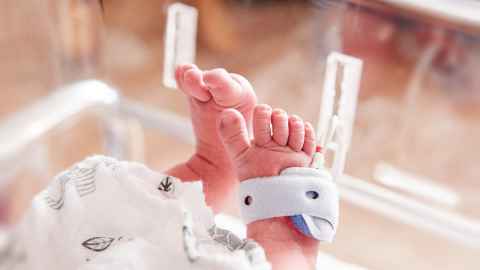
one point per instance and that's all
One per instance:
(307, 195)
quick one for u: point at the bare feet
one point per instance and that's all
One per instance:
(279, 142)
(209, 93)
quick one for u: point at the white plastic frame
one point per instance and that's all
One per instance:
(335, 127)
(180, 40)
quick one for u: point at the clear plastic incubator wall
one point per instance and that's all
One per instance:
(84, 77)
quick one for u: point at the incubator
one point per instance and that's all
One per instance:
(95, 77)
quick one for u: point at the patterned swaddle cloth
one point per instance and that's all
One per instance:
(107, 214)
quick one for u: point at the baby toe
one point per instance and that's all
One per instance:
(194, 86)
(280, 126)
(179, 74)
(309, 144)
(233, 131)
(262, 118)
(296, 133)
(225, 90)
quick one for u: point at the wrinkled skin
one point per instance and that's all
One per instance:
(225, 118)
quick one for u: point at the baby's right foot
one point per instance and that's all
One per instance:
(279, 142)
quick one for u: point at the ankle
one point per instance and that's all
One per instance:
(213, 154)
(208, 166)
(283, 244)
(218, 179)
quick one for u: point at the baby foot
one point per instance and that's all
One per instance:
(280, 141)
(209, 93)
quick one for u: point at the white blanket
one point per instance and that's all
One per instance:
(106, 214)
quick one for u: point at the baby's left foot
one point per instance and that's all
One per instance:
(209, 93)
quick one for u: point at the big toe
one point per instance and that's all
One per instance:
(233, 131)
(227, 89)
(190, 80)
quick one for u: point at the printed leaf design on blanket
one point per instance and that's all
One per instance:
(189, 239)
(233, 243)
(98, 244)
(166, 184)
(226, 238)
(56, 202)
(83, 177)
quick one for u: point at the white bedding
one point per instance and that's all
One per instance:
(106, 214)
